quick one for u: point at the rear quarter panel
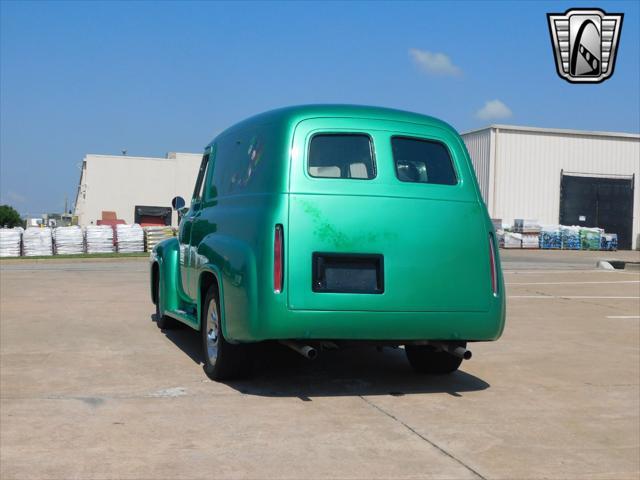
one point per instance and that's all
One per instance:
(248, 198)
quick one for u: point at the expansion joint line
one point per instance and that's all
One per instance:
(422, 437)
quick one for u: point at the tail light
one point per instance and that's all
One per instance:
(494, 268)
(278, 260)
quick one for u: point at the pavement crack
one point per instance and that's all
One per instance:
(422, 437)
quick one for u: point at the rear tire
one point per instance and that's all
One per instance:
(222, 360)
(426, 359)
(162, 321)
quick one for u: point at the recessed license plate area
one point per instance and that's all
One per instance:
(348, 273)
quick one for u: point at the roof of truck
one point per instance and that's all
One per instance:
(295, 114)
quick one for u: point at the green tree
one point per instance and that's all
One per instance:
(9, 217)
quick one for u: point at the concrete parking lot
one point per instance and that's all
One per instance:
(90, 388)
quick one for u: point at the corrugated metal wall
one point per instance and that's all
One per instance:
(529, 164)
(519, 170)
(479, 147)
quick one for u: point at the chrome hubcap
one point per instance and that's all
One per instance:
(212, 332)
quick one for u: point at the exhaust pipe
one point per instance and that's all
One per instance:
(304, 350)
(459, 352)
(456, 351)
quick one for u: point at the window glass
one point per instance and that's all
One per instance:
(422, 161)
(197, 191)
(341, 156)
(209, 190)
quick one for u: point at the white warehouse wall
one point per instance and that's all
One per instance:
(526, 164)
(119, 183)
(479, 146)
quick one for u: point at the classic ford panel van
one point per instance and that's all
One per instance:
(321, 225)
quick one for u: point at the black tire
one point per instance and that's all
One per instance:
(162, 321)
(230, 361)
(426, 359)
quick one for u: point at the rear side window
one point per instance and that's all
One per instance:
(197, 191)
(422, 161)
(342, 156)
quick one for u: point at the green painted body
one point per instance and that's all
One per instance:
(434, 238)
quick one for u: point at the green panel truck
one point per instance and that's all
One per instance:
(331, 224)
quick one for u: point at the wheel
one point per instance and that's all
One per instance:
(162, 321)
(426, 359)
(222, 360)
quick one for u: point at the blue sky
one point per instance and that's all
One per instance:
(79, 78)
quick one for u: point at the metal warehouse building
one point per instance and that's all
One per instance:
(566, 177)
(138, 189)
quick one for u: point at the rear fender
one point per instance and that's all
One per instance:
(233, 262)
(213, 270)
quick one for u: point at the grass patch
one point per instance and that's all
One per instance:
(81, 255)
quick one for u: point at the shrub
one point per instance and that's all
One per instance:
(9, 217)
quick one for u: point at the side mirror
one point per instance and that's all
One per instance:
(177, 203)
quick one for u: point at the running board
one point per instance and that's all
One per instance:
(184, 317)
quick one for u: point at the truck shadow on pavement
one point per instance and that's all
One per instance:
(354, 371)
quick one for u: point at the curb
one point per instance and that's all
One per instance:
(604, 265)
(618, 265)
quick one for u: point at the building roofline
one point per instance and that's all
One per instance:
(167, 157)
(557, 131)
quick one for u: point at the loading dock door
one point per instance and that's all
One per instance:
(598, 202)
(157, 216)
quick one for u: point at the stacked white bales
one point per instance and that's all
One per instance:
(99, 239)
(10, 240)
(130, 238)
(68, 240)
(37, 241)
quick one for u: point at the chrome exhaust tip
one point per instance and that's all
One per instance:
(306, 351)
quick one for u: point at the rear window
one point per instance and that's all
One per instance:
(341, 156)
(422, 161)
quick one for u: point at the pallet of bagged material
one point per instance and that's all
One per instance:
(155, 234)
(525, 225)
(99, 239)
(609, 241)
(570, 237)
(68, 240)
(590, 238)
(37, 241)
(551, 237)
(530, 240)
(129, 238)
(10, 242)
(512, 240)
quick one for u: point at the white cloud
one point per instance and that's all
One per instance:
(434, 63)
(493, 110)
(15, 197)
